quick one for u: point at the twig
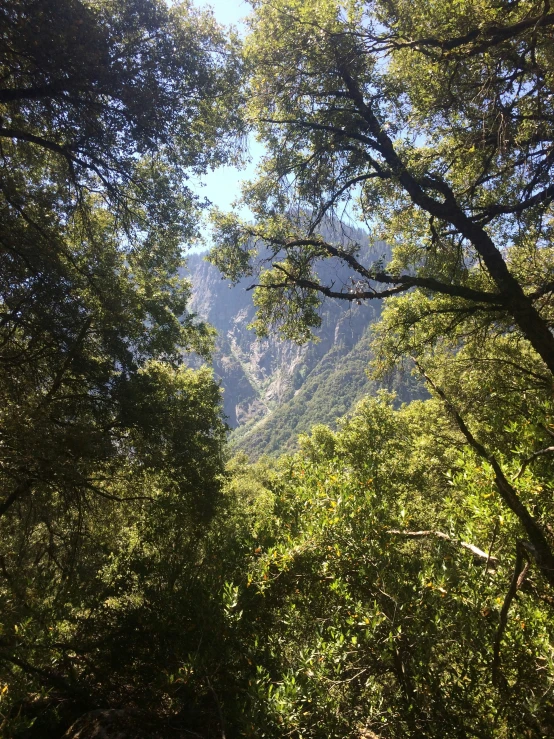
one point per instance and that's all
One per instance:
(531, 458)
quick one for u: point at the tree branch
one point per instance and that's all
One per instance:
(479, 554)
(20, 490)
(490, 35)
(531, 458)
(9, 95)
(313, 126)
(544, 197)
(521, 569)
(58, 379)
(542, 551)
(525, 315)
(12, 133)
(401, 282)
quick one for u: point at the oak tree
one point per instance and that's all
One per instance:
(433, 124)
(106, 109)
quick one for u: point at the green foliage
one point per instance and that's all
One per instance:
(286, 304)
(393, 578)
(408, 592)
(110, 450)
(95, 219)
(111, 566)
(349, 625)
(429, 124)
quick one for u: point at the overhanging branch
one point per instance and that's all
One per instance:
(486, 37)
(400, 282)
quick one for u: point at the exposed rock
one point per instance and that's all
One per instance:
(261, 376)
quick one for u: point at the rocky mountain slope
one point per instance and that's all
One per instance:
(275, 389)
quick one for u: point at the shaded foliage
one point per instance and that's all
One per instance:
(375, 606)
(393, 578)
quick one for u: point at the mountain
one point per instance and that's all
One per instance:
(275, 389)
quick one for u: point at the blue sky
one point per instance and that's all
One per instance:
(226, 11)
(223, 185)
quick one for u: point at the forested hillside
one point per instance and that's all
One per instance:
(390, 574)
(274, 389)
(259, 375)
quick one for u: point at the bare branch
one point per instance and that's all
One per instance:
(477, 553)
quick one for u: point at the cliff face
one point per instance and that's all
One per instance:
(267, 382)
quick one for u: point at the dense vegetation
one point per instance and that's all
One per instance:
(393, 578)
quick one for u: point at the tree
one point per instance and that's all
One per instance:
(104, 588)
(434, 125)
(101, 85)
(106, 109)
(377, 605)
(109, 448)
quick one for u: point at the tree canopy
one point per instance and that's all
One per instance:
(390, 579)
(433, 125)
(106, 110)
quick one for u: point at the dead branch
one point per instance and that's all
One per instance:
(477, 553)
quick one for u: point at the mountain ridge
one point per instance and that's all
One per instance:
(274, 389)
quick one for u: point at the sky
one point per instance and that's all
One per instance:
(223, 186)
(226, 11)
